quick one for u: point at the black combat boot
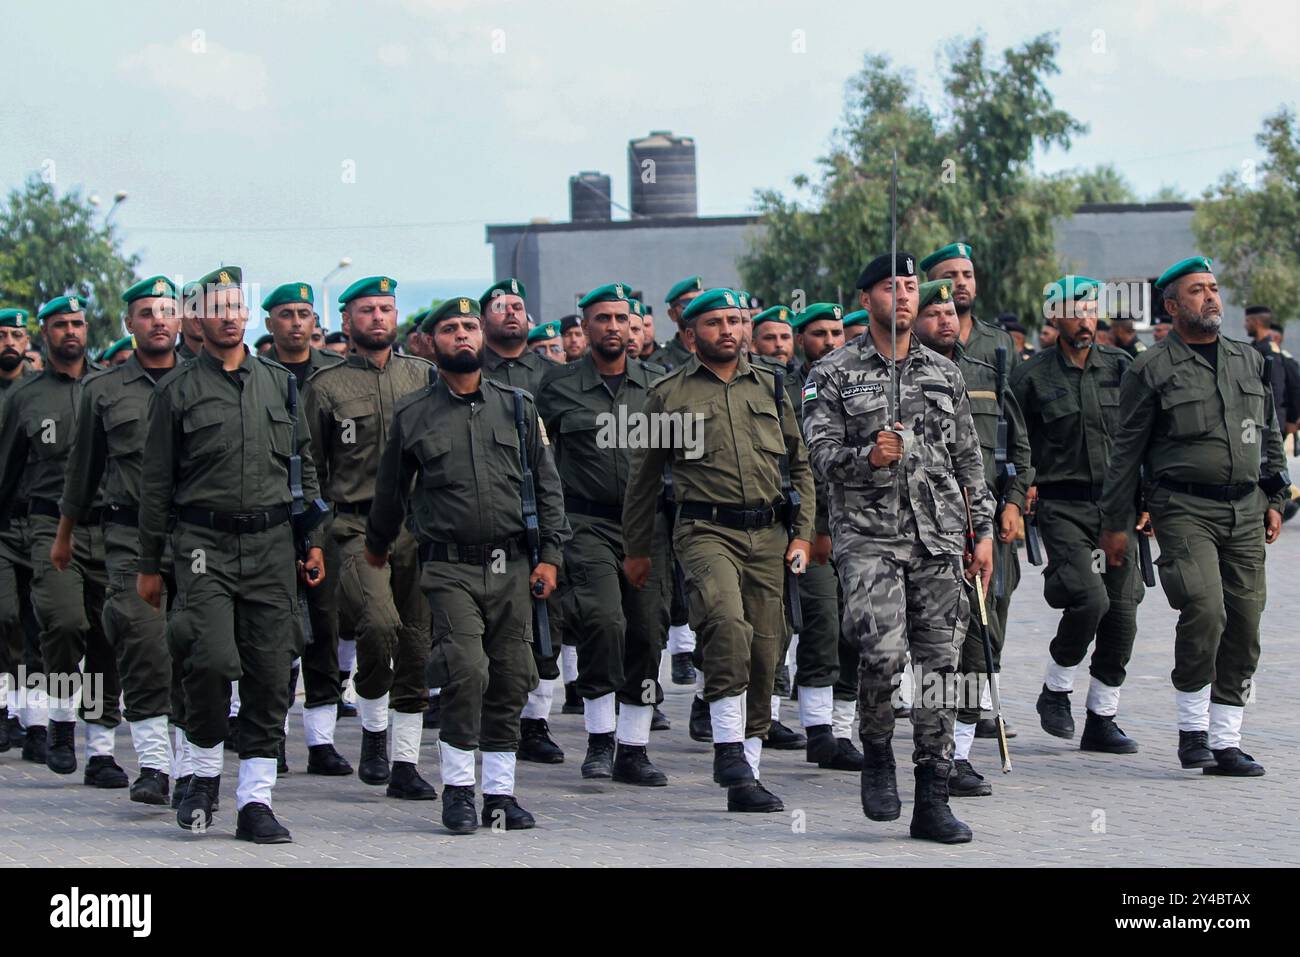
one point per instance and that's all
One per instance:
(536, 743)
(406, 784)
(572, 700)
(967, 782)
(781, 738)
(344, 709)
(599, 762)
(729, 765)
(325, 759)
(1054, 713)
(232, 733)
(1234, 762)
(179, 791)
(1101, 733)
(632, 766)
(61, 754)
(151, 787)
(373, 767)
(988, 728)
(433, 713)
(502, 810)
(17, 733)
(34, 745)
(683, 669)
(199, 803)
(701, 725)
(282, 759)
(879, 781)
(659, 721)
(255, 822)
(847, 757)
(103, 772)
(753, 798)
(932, 819)
(781, 683)
(1194, 750)
(822, 745)
(458, 814)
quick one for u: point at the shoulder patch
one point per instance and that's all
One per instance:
(861, 388)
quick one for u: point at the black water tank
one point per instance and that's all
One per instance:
(661, 174)
(589, 197)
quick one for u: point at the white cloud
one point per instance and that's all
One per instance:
(198, 67)
(393, 54)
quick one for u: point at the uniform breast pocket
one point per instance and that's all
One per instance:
(949, 509)
(940, 417)
(45, 435)
(431, 451)
(1183, 411)
(204, 428)
(866, 412)
(765, 429)
(280, 431)
(696, 430)
(1058, 408)
(505, 445)
(354, 420)
(1109, 401)
(122, 426)
(1253, 410)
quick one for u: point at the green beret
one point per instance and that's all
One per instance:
(13, 318)
(940, 290)
(709, 301)
(614, 292)
(817, 310)
(636, 306)
(743, 297)
(547, 330)
(692, 284)
(115, 348)
(415, 319)
(774, 314)
(1180, 269)
(506, 287)
(154, 286)
(1072, 288)
(222, 276)
(263, 340)
(60, 305)
(951, 251)
(859, 317)
(370, 286)
(289, 292)
(451, 308)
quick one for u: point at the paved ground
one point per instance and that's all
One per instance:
(1059, 806)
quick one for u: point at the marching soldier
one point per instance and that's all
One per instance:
(507, 361)
(855, 324)
(575, 340)
(729, 534)
(220, 440)
(454, 454)
(897, 526)
(350, 409)
(107, 453)
(990, 403)
(545, 341)
(590, 408)
(826, 672)
(1196, 412)
(292, 319)
(675, 352)
(40, 426)
(1126, 338)
(23, 715)
(648, 344)
(191, 343)
(1071, 394)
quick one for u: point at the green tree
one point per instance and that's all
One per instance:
(52, 245)
(964, 172)
(1168, 194)
(1102, 184)
(1247, 222)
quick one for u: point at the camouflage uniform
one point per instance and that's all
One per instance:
(898, 532)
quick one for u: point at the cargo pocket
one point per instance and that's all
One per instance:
(1180, 578)
(1063, 585)
(436, 672)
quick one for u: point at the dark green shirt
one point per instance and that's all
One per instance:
(984, 342)
(672, 355)
(462, 454)
(316, 359)
(218, 440)
(982, 388)
(523, 372)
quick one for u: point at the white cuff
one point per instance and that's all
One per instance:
(753, 752)
(208, 761)
(256, 779)
(1102, 699)
(407, 730)
(634, 724)
(455, 766)
(727, 715)
(149, 738)
(318, 724)
(1059, 677)
(374, 713)
(1225, 726)
(815, 706)
(598, 714)
(963, 735)
(1193, 709)
(498, 772)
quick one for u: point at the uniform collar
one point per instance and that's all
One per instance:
(494, 360)
(212, 362)
(743, 367)
(357, 361)
(55, 374)
(132, 369)
(589, 376)
(1180, 351)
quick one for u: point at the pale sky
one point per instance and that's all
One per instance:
(232, 124)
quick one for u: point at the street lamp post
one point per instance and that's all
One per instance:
(118, 199)
(344, 263)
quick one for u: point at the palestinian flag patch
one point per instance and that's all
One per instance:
(809, 390)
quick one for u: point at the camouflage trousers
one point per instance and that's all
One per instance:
(894, 605)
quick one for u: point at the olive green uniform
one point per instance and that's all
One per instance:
(981, 380)
(219, 445)
(672, 355)
(728, 534)
(1201, 432)
(1073, 414)
(40, 426)
(455, 460)
(350, 409)
(618, 629)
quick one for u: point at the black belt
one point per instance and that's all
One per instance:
(1070, 492)
(43, 506)
(468, 554)
(237, 523)
(122, 515)
(585, 506)
(1219, 493)
(732, 516)
(18, 509)
(353, 508)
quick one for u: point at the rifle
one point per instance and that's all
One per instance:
(790, 506)
(670, 514)
(1003, 750)
(305, 516)
(528, 494)
(1144, 543)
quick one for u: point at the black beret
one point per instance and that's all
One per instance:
(1103, 325)
(1258, 310)
(1013, 325)
(878, 269)
(568, 322)
(333, 337)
